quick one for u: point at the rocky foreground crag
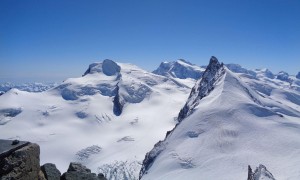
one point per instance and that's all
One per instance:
(20, 160)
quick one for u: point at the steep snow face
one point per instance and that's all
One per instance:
(179, 69)
(107, 119)
(229, 128)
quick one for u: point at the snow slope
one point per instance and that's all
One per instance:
(107, 119)
(226, 126)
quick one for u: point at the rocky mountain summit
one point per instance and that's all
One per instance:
(230, 120)
(260, 173)
(20, 160)
(203, 86)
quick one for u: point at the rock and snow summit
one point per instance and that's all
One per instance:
(225, 126)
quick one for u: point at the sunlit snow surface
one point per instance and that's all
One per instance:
(75, 120)
(233, 127)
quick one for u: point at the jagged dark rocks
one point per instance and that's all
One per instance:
(50, 171)
(203, 87)
(151, 156)
(260, 172)
(77, 171)
(19, 160)
(118, 103)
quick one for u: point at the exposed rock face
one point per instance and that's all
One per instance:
(260, 173)
(19, 161)
(203, 87)
(118, 103)
(77, 171)
(50, 171)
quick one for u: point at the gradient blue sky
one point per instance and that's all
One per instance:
(50, 40)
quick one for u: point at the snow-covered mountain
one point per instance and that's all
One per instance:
(179, 69)
(231, 120)
(29, 87)
(107, 119)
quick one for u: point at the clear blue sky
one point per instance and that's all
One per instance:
(50, 40)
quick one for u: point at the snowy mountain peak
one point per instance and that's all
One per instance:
(265, 73)
(211, 75)
(298, 75)
(283, 76)
(107, 67)
(213, 60)
(226, 125)
(181, 69)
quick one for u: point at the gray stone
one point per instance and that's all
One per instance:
(20, 161)
(9, 146)
(77, 171)
(78, 168)
(50, 171)
(260, 172)
(101, 176)
(73, 175)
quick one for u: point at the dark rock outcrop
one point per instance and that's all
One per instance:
(50, 171)
(19, 160)
(76, 171)
(118, 103)
(203, 87)
(260, 172)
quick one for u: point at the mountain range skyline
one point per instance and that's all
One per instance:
(53, 79)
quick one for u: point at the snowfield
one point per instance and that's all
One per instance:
(77, 120)
(114, 114)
